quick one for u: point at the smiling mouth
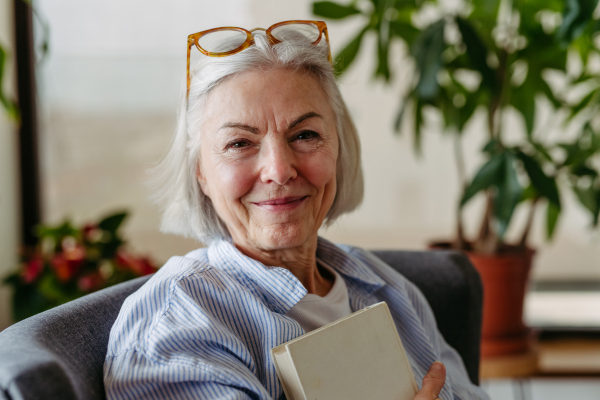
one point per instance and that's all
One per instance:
(284, 201)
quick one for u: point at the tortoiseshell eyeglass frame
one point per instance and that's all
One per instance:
(194, 40)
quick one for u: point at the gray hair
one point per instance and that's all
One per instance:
(187, 211)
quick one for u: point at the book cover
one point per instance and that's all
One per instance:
(356, 357)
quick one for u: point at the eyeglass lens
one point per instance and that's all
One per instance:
(228, 40)
(307, 32)
(222, 41)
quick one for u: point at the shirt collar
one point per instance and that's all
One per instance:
(280, 289)
(361, 275)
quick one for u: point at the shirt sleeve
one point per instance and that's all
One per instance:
(174, 339)
(133, 375)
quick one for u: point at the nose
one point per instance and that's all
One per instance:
(278, 163)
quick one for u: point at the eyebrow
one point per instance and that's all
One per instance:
(255, 131)
(238, 125)
(304, 117)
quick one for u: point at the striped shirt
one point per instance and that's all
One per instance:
(203, 325)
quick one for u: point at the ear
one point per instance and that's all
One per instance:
(202, 180)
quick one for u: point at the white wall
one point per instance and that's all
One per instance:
(110, 89)
(9, 212)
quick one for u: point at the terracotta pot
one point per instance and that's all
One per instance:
(505, 278)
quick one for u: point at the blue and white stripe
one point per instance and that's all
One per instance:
(202, 327)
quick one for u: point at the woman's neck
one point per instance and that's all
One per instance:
(300, 261)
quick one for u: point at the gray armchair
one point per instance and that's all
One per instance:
(59, 354)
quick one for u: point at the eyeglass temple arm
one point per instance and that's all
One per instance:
(189, 48)
(328, 45)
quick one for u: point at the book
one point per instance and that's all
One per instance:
(356, 357)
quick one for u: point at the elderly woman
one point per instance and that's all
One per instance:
(265, 153)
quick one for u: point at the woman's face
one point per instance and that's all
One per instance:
(268, 157)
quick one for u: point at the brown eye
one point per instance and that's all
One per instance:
(238, 144)
(306, 135)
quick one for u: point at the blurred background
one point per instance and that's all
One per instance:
(108, 89)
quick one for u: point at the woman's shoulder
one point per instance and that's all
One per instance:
(370, 264)
(181, 284)
(362, 257)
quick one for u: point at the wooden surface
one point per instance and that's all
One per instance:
(549, 357)
(573, 356)
(513, 366)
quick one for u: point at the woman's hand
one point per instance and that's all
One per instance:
(433, 382)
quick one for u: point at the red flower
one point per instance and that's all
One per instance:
(33, 269)
(90, 282)
(139, 266)
(92, 233)
(147, 266)
(68, 263)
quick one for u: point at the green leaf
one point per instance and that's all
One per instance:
(575, 154)
(541, 150)
(545, 185)
(450, 113)
(486, 10)
(418, 124)
(477, 52)
(575, 16)
(10, 106)
(529, 193)
(467, 111)
(427, 50)
(406, 31)
(383, 49)
(491, 173)
(523, 100)
(51, 289)
(542, 54)
(584, 170)
(545, 89)
(331, 10)
(552, 214)
(595, 217)
(484, 16)
(400, 114)
(348, 53)
(589, 198)
(57, 232)
(509, 194)
(112, 222)
(576, 109)
(491, 147)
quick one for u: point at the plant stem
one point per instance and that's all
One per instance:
(460, 242)
(497, 102)
(525, 236)
(487, 241)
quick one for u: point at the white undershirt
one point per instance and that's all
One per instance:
(314, 311)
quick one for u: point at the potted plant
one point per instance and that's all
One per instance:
(70, 262)
(492, 57)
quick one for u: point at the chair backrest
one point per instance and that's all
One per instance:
(59, 354)
(453, 290)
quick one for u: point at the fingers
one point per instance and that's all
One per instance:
(433, 382)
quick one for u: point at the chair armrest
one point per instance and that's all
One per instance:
(59, 354)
